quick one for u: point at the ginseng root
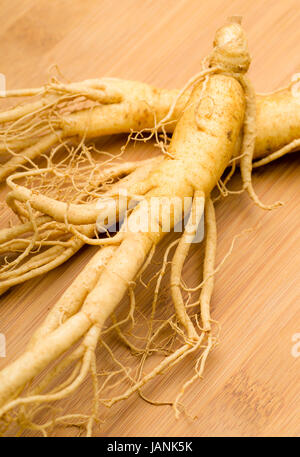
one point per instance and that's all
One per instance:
(67, 227)
(200, 151)
(93, 108)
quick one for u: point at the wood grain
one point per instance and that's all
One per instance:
(251, 384)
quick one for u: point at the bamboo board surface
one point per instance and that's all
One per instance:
(251, 382)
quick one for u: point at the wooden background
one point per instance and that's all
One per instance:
(251, 384)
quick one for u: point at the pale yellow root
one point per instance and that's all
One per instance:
(134, 247)
(178, 261)
(127, 106)
(208, 264)
(16, 145)
(199, 371)
(67, 306)
(291, 147)
(13, 232)
(50, 237)
(93, 89)
(168, 362)
(247, 150)
(135, 173)
(72, 299)
(89, 342)
(20, 111)
(37, 261)
(83, 214)
(32, 270)
(116, 106)
(200, 151)
(29, 154)
(57, 255)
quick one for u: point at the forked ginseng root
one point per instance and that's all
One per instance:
(205, 140)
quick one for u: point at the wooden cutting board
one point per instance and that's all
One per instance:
(251, 383)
